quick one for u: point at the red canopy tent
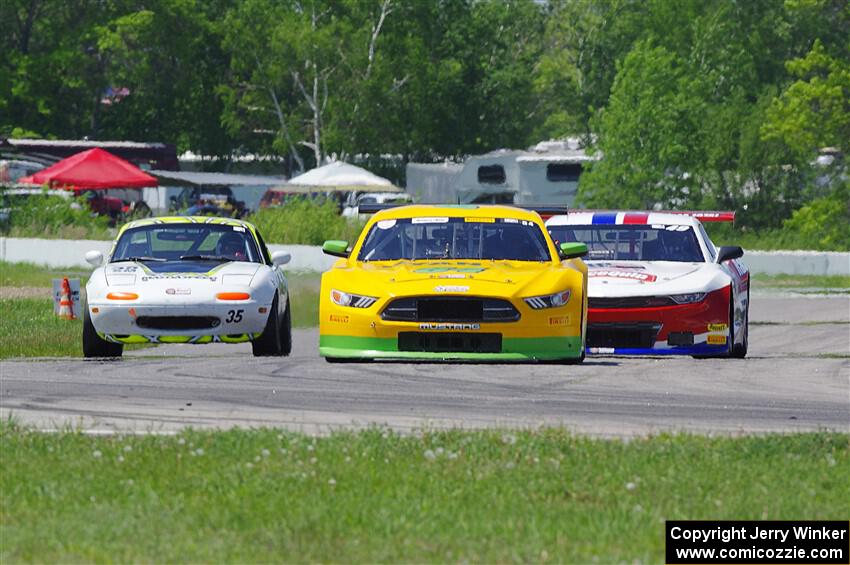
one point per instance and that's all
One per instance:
(92, 169)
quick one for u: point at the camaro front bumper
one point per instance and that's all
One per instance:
(688, 329)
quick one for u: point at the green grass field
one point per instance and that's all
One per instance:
(801, 281)
(374, 496)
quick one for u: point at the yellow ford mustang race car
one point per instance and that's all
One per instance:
(454, 282)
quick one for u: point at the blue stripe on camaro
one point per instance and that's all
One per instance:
(604, 219)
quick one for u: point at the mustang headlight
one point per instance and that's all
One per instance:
(687, 298)
(549, 300)
(341, 298)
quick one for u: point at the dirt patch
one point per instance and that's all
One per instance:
(13, 292)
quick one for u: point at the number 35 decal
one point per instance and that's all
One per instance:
(234, 316)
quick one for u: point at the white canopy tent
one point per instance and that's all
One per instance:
(339, 176)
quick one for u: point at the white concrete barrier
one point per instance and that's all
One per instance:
(70, 253)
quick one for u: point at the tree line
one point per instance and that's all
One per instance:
(692, 103)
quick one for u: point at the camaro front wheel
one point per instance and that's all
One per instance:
(93, 344)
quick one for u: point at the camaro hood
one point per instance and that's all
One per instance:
(453, 277)
(651, 278)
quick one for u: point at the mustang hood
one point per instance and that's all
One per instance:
(649, 278)
(474, 277)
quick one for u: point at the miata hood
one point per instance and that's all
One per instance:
(135, 272)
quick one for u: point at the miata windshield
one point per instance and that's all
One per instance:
(187, 242)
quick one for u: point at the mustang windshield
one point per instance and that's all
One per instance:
(633, 242)
(455, 238)
(207, 243)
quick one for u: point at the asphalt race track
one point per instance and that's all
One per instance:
(797, 377)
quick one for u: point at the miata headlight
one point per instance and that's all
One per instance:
(687, 298)
(549, 300)
(341, 298)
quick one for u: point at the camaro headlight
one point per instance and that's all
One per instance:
(687, 298)
(549, 300)
(341, 298)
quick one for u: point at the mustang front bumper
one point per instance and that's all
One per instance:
(549, 334)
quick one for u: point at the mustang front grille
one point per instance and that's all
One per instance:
(177, 322)
(450, 342)
(630, 302)
(631, 335)
(450, 309)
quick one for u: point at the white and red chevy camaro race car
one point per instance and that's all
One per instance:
(657, 285)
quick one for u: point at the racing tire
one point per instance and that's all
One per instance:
(286, 331)
(269, 344)
(346, 360)
(739, 351)
(93, 345)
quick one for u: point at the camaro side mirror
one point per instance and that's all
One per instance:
(728, 252)
(281, 258)
(571, 250)
(94, 258)
(336, 247)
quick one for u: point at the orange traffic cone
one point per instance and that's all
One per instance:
(66, 306)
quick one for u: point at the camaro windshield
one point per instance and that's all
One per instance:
(206, 243)
(633, 242)
(455, 238)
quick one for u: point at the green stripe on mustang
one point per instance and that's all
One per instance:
(513, 349)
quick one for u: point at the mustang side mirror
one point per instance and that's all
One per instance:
(337, 248)
(94, 258)
(281, 258)
(571, 250)
(728, 252)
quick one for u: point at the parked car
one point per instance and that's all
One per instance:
(208, 201)
(351, 208)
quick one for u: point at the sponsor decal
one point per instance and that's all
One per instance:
(480, 220)
(178, 276)
(717, 339)
(559, 320)
(429, 221)
(128, 269)
(173, 291)
(339, 319)
(449, 269)
(451, 276)
(434, 326)
(385, 224)
(609, 274)
(510, 220)
(451, 288)
(238, 228)
(718, 327)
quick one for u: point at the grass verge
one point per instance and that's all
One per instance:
(374, 496)
(800, 281)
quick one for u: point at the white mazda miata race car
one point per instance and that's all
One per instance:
(187, 280)
(657, 285)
